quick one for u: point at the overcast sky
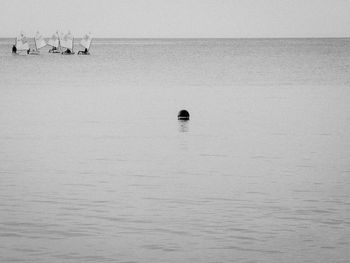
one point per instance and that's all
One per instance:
(178, 18)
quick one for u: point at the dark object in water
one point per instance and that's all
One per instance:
(14, 49)
(183, 115)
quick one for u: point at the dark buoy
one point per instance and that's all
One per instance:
(183, 115)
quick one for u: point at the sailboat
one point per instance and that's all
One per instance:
(54, 42)
(39, 42)
(68, 42)
(21, 43)
(86, 43)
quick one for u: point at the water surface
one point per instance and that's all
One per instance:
(95, 167)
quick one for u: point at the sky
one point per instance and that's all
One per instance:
(177, 18)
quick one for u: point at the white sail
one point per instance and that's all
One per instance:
(67, 41)
(21, 43)
(86, 41)
(39, 41)
(54, 41)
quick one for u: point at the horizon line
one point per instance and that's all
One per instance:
(318, 37)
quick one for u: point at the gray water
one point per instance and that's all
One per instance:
(95, 167)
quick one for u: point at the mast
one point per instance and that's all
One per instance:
(90, 43)
(59, 41)
(59, 44)
(36, 48)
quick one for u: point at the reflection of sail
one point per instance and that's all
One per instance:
(67, 41)
(86, 41)
(54, 41)
(39, 41)
(21, 43)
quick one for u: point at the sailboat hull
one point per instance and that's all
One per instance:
(83, 53)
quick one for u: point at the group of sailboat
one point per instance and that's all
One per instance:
(60, 44)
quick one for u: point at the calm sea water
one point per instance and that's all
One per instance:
(95, 167)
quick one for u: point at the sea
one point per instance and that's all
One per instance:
(96, 167)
